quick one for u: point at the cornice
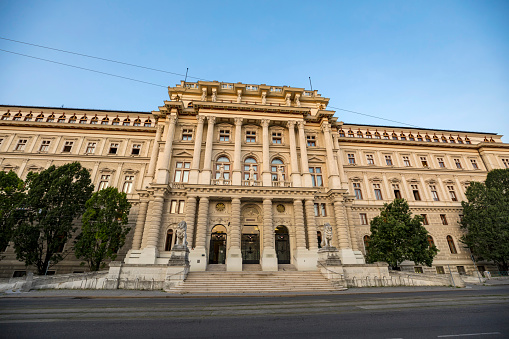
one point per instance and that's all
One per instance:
(65, 125)
(344, 140)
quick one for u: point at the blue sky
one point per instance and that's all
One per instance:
(433, 64)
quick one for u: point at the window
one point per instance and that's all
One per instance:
(128, 184)
(411, 137)
(424, 162)
(316, 176)
(29, 116)
(251, 136)
(187, 134)
(341, 133)
(359, 134)
(94, 120)
(223, 168)
(182, 206)
(21, 145)
(126, 122)
(83, 120)
(415, 191)
(113, 148)
(177, 206)
(431, 243)
(224, 135)
(136, 149)
(105, 181)
(19, 274)
(17, 117)
(364, 218)
(320, 210)
(357, 190)
(105, 121)
(441, 162)
(461, 270)
(370, 160)
(419, 137)
(388, 160)
(458, 163)
(51, 118)
(452, 193)
(452, 247)
(378, 192)
(44, 146)
(147, 123)
(61, 119)
(435, 139)
(169, 240)
(397, 192)
(137, 122)
(73, 119)
(182, 171)
(276, 138)
(402, 136)
(316, 209)
(311, 140)
(434, 192)
(173, 207)
(274, 166)
(467, 141)
(350, 134)
(418, 269)
(444, 219)
(68, 146)
(39, 118)
(1, 141)
(351, 159)
(424, 219)
(506, 162)
(229, 86)
(440, 269)
(474, 164)
(251, 169)
(386, 135)
(90, 148)
(6, 116)
(368, 135)
(377, 135)
(427, 137)
(116, 121)
(406, 161)
(394, 136)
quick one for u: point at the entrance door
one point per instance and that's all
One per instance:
(282, 245)
(250, 248)
(217, 253)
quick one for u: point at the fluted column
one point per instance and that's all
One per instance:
(235, 224)
(351, 225)
(311, 223)
(341, 230)
(268, 231)
(296, 177)
(266, 156)
(201, 229)
(155, 153)
(198, 138)
(300, 234)
(163, 163)
(157, 213)
(140, 222)
(306, 176)
(206, 173)
(332, 165)
(237, 164)
(190, 220)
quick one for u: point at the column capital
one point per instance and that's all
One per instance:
(326, 127)
(238, 121)
(309, 199)
(267, 199)
(236, 200)
(297, 200)
(301, 124)
(200, 118)
(265, 122)
(173, 119)
(290, 124)
(211, 119)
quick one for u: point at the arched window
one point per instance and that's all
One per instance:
(428, 138)
(350, 133)
(51, 118)
(169, 240)
(467, 140)
(223, 168)
(435, 138)
(402, 136)
(386, 135)
(250, 175)
(17, 116)
(341, 133)
(39, 117)
(451, 140)
(431, 243)
(359, 134)
(61, 118)
(394, 136)
(6, 116)
(147, 123)
(29, 116)
(366, 239)
(94, 120)
(444, 139)
(319, 238)
(411, 137)
(277, 170)
(105, 121)
(460, 141)
(137, 122)
(368, 134)
(377, 135)
(83, 119)
(72, 120)
(452, 247)
(116, 121)
(126, 122)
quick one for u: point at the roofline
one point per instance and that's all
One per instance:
(76, 109)
(419, 128)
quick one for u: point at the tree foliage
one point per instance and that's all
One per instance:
(396, 236)
(55, 198)
(103, 232)
(486, 218)
(11, 196)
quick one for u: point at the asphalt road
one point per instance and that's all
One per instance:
(438, 314)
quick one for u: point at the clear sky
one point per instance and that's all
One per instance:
(433, 64)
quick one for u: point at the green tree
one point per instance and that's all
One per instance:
(396, 236)
(55, 198)
(12, 192)
(486, 218)
(103, 232)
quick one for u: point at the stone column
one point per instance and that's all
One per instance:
(351, 224)
(341, 230)
(300, 235)
(157, 213)
(293, 155)
(207, 173)
(332, 165)
(198, 138)
(269, 257)
(155, 153)
(234, 258)
(163, 163)
(237, 163)
(140, 222)
(266, 156)
(311, 223)
(190, 220)
(201, 229)
(306, 176)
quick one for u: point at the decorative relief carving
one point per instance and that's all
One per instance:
(301, 124)
(200, 119)
(265, 122)
(211, 120)
(238, 121)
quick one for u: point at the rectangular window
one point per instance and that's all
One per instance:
(370, 159)
(250, 136)
(105, 181)
(136, 149)
(461, 270)
(173, 206)
(317, 209)
(68, 146)
(276, 138)
(311, 140)
(182, 205)
(90, 148)
(506, 162)
(474, 164)
(458, 163)
(440, 269)
(424, 162)
(406, 161)
(128, 184)
(113, 148)
(364, 218)
(187, 134)
(21, 145)
(434, 192)
(378, 192)
(441, 162)
(316, 176)
(182, 171)
(351, 159)
(388, 160)
(224, 135)
(44, 146)
(452, 193)
(415, 191)
(444, 219)
(323, 210)
(424, 219)
(397, 192)
(357, 190)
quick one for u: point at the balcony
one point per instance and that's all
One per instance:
(251, 182)
(221, 182)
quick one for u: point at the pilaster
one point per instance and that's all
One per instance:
(306, 176)
(163, 164)
(269, 257)
(198, 138)
(237, 164)
(234, 258)
(332, 164)
(206, 174)
(295, 175)
(266, 177)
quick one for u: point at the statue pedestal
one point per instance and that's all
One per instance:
(178, 267)
(179, 256)
(329, 256)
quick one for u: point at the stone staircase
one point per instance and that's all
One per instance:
(255, 282)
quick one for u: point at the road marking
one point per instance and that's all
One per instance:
(466, 334)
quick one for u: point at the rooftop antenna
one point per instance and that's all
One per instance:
(187, 69)
(310, 84)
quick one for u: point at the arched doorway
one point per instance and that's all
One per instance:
(217, 253)
(282, 245)
(250, 245)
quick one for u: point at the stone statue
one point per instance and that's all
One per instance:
(182, 234)
(221, 171)
(214, 95)
(327, 230)
(288, 100)
(280, 175)
(297, 100)
(264, 98)
(251, 172)
(204, 94)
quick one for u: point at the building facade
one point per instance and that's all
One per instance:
(255, 171)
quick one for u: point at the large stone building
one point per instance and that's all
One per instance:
(255, 171)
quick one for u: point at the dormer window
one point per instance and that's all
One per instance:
(147, 123)
(51, 118)
(435, 138)
(17, 117)
(137, 122)
(428, 138)
(419, 137)
(467, 140)
(368, 135)
(402, 136)
(29, 116)
(94, 120)
(386, 135)
(276, 89)
(116, 121)
(350, 134)
(444, 139)
(451, 140)
(126, 122)
(411, 137)
(377, 135)
(105, 121)
(73, 119)
(61, 119)
(359, 134)
(341, 133)
(460, 141)
(83, 120)
(6, 116)
(394, 136)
